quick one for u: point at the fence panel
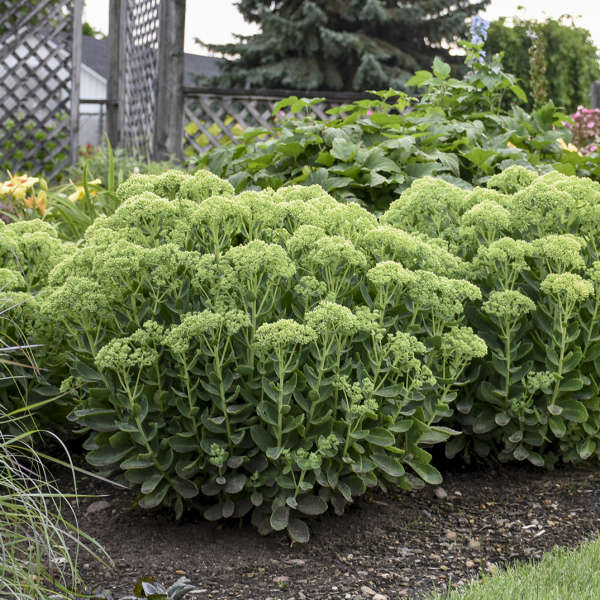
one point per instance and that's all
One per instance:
(213, 117)
(140, 20)
(39, 51)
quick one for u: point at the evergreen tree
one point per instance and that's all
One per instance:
(341, 44)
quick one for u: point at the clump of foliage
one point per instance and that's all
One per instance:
(531, 243)
(39, 547)
(273, 353)
(147, 587)
(569, 56)
(373, 149)
(327, 45)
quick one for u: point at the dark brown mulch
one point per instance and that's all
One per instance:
(398, 544)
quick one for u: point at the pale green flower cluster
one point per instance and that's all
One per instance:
(509, 305)
(121, 354)
(175, 185)
(283, 334)
(429, 206)
(560, 252)
(329, 317)
(390, 273)
(489, 217)
(461, 344)
(567, 287)
(512, 180)
(11, 280)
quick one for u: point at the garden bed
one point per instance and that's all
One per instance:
(399, 544)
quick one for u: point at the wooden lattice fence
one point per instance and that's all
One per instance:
(213, 117)
(140, 21)
(40, 55)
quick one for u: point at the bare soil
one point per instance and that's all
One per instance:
(397, 544)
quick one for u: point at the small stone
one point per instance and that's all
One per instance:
(440, 493)
(451, 535)
(97, 506)
(297, 562)
(301, 596)
(380, 597)
(281, 579)
(474, 545)
(443, 568)
(366, 590)
(469, 564)
(179, 572)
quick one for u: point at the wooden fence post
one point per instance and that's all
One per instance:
(168, 125)
(75, 79)
(595, 94)
(113, 121)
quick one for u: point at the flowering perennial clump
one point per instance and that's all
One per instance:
(272, 352)
(278, 353)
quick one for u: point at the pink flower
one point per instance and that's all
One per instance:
(281, 113)
(593, 148)
(590, 125)
(369, 112)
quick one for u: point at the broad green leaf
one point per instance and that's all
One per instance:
(298, 531)
(280, 518)
(312, 505)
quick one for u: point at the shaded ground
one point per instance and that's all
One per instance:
(398, 544)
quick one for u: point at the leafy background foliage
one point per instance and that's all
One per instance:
(374, 149)
(570, 57)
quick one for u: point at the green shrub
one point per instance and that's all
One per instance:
(273, 352)
(372, 150)
(532, 250)
(569, 54)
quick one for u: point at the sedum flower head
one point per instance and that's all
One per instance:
(508, 305)
(120, 355)
(303, 193)
(582, 189)
(76, 299)
(168, 184)
(328, 251)
(303, 240)
(283, 334)
(209, 324)
(512, 180)
(567, 287)
(258, 258)
(561, 252)
(480, 194)
(487, 216)
(389, 273)
(441, 295)
(329, 317)
(539, 380)
(505, 253)
(389, 243)
(539, 207)
(204, 184)
(11, 280)
(430, 206)
(461, 343)
(135, 185)
(310, 287)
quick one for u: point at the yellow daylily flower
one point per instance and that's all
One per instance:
(40, 202)
(568, 147)
(79, 192)
(18, 186)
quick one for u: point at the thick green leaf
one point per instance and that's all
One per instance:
(298, 531)
(312, 505)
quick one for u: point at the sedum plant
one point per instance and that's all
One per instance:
(272, 353)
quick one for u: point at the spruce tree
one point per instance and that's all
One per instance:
(341, 44)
